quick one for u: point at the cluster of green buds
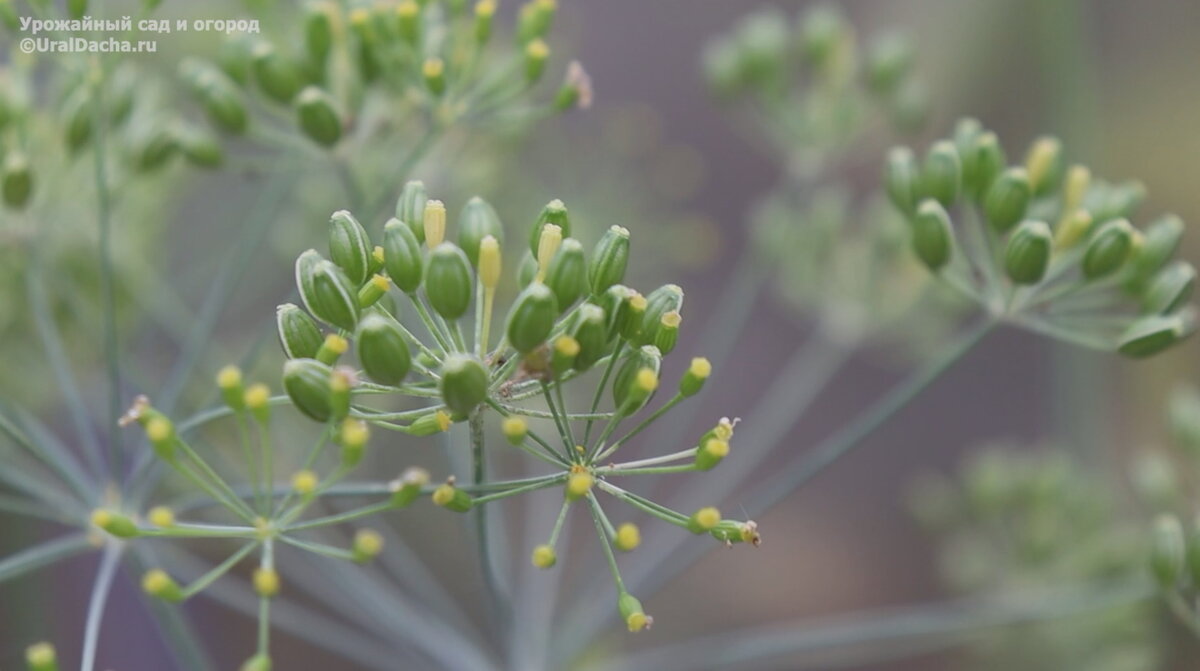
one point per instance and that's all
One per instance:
(571, 315)
(1044, 244)
(810, 76)
(1013, 518)
(359, 70)
(259, 515)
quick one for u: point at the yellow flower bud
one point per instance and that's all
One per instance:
(434, 221)
(515, 429)
(579, 484)
(41, 657)
(367, 545)
(266, 581)
(305, 482)
(489, 262)
(161, 516)
(544, 556)
(628, 537)
(704, 520)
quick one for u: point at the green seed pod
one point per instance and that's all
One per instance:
(527, 271)
(590, 330)
(531, 317)
(382, 349)
(667, 298)
(402, 256)
(318, 31)
(710, 453)
(217, 93)
(16, 182)
(1028, 252)
(1160, 242)
(941, 174)
(349, 246)
(277, 76)
(199, 147)
(932, 235)
(1045, 166)
(632, 613)
(452, 498)
(298, 333)
(646, 357)
(668, 332)
(464, 383)
(982, 164)
(114, 523)
(609, 260)
(326, 291)
(821, 30)
(1170, 289)
(900, 179)
(317, 116)
(695, 376)
(448, 281)
(306, 382)
(477, 221)
(410, 208)
(889, 60)
(77, 120)
(1153, 334)
(567, 274)
(1007, 199)
(1108, 249)
(553, 213)
(1168, 551)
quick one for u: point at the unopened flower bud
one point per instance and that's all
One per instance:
(563, 354)
(982, 162)
(407, 487)
(578, 485)
(1161, 241)
(631, 611)
(704, 520)
(900, 179)
(367, 545)
(261, 662)
(220, 97)
(667, 298)
(536, 53)
(306, 382)
(544, 556)
(161, 516)
(114, 523)
(229, 381)
(448, 281)
(410, 208)
(566, 274)
(636, 379)
(430, 424)
(434, 71)
(1108, 249)
(576, 89)
(305, 483)
(932, 235)
(160, 432)
(1028, 252)
(349, 246)
(464, 383)
(485, 12)
(402, 256)
(1150, 335)
(941, 174)
(822, 28)
(710, 453)
(1170, 289)
(668, 332)
(353, 438)
(332, 349)
(278, 77)
(452, 498)
(695, 376)
(555, 212)
(1007, 199)
(16, 182)
(888, 61)
(551, 239)
(489, 262)
(609, 260)
(41, 657)
(266, 582)
(318, 31)
(318, 117)
(408, 20)
(158, 584)
(1072, 228)
(515, 429)
(628, 537)
(382, 349)
(534, 19)
(477, 221)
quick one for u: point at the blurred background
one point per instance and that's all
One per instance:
(1116, 81)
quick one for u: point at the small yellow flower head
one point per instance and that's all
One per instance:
(336, 343)
(367, 545)
(354, 434)
(637, 622)
(161, 516)
(579, 484)
(566, 346)
(696, 375)
(443, 420)
(544, 556)
(434, 218)
(716, 448)
(229, 377)
(637, 303)
(515, 429)
(257, 396)
(381, 282)
(537, 50)
(155, 582)
(485, 9)
(305, 482)
(671, 319)
(101, 517)
(159, 429)
(646, 380)
(266, 581)
(724, 429)
(548, 244)
(489, 262)
(700, 367)
(1072, 228)
(377, 255)
(628, 537)
(704, 520)
(41, 657)
(631, 610)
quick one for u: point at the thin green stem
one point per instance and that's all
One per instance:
(199, 584)
(608, 369)
(101, 587)
(42, 555)
(604, 543)
(641, 426)
(348, 516)
(549, 481)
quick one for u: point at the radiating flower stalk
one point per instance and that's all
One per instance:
(1044, 245)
